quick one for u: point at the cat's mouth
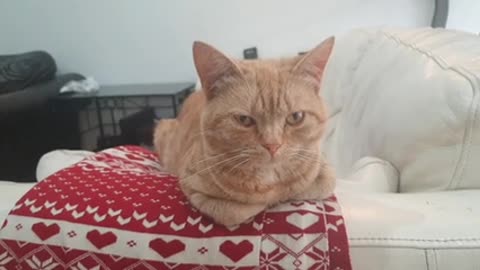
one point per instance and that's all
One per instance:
(267, 162)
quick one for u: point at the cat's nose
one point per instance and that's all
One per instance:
(272, 148)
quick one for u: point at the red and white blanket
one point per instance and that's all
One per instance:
(118, 210)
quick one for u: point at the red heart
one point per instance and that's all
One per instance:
(167, 249)
(44, 232)
(101, 240)
(236, 252)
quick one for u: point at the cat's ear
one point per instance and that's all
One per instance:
(314, 62)
(212, 65)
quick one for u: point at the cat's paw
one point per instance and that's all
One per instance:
(239, 214)
(321, 188)
(227, 213)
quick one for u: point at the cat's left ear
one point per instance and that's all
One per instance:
(313, 63)
(212, 65)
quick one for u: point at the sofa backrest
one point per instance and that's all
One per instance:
(410, 97)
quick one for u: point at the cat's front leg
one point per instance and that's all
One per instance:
(322, 187)
(225, 212)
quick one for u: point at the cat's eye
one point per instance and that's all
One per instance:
(245, 120)
(295, 118)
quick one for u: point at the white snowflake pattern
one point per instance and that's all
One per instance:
(80, 266)
(36, 264)
(4, 260)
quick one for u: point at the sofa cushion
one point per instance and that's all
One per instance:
(34, 96)
(409, 97)
(57, 160)
(437, 230)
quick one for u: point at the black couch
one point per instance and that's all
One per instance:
(30, 124)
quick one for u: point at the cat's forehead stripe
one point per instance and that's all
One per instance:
(269, 81)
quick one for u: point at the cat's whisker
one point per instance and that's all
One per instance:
(194, 136)
(203, 132)
(306, 155)
(309, 159)
(239, 164)
(231, 159)
(303, 150)
(186, 153)
(294, 174)
(249, 151)
(302, 154)
(306, 149)
(208, 158)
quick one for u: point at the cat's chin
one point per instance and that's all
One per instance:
(265, 165)
(267, 175)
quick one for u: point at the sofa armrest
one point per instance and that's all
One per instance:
(410, 97)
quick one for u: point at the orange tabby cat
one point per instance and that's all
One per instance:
(251, 138)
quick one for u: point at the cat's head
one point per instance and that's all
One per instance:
(264, 112)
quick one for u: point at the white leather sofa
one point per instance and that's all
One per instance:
(405, 138)
(404, 135)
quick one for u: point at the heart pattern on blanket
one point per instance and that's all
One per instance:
(101, 240)
(44, 231)
(125, 213)
(302, 221)
(167, 249)
(236, 252)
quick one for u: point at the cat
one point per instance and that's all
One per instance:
(250, 138)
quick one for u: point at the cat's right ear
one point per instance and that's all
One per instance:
(211, 66)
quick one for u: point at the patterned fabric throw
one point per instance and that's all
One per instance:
(118, 210)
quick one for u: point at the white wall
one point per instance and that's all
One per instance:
(464, 15)
(121, 41)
